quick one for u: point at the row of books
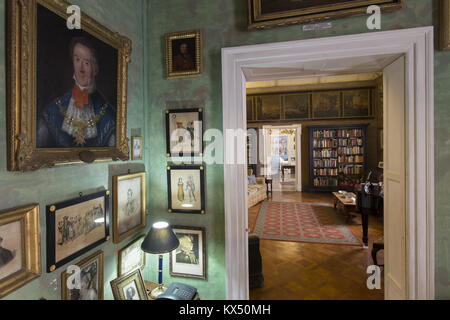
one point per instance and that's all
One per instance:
(356, 169)
(325, 182)
(326, 172)
(339, 133)
(325, 153)
(357, 150)
(325, 163)
(334, 143)
(350, 142)
(351, 159)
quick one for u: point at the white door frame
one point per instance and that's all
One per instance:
(418, 47)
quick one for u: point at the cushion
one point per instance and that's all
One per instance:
(252, 179)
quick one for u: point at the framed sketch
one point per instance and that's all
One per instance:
(20, 249)
(270, 13)
(297, 106)
(130, 286)
(184, 132)
(75, 227)
(131, 257)
(444, 25)
(326, 104)
(136, 148)
(186, 188)
(356, 103)
(129, 205)
(184, 54)
(268, 107)
(89, 285)
(78, 105)
(189, 259)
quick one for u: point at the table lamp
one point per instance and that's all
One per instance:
(159, 240)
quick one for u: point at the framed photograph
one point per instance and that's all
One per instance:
(184, 132)
(189, 259)
(297, 106)
(184, 54)
(130, 286)
(75, 227)
(326, 104)
(129, 205)
(78, 105)
(89, 285)
(20, 249)
(131, 257)
(356, 103)
(270, 13)
(186, 188)
(444, 25)
(268, 107)
(136, 148)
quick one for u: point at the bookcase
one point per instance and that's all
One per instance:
(338, 156)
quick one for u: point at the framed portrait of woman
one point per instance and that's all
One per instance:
(186, 188)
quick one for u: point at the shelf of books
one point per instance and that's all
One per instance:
(338, 156)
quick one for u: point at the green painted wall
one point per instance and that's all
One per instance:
(223, 24)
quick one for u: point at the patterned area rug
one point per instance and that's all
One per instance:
(302, 222)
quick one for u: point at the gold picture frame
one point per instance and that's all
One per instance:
(120, 287)
(96, 257)
(25, 259)
(444, 25)
(123, 256)
(129, 214)
(188, 63)
(24, 108)
(137, 148)
(282, 12)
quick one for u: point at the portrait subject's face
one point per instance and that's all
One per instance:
(84, 65)
(184, 48)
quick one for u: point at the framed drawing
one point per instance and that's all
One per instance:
(444, 25)
(296, 106)
(75, 227)
(20, 249)
(78, 106)
(270, 13)
(186, 188)
(326, 104)
(136, 148)
(184, 54)
(90, 286)
(268, 107)
(131, 257)
(356, 103)
(129, 287)
(184, 132)
(189, 259)
(129, 205)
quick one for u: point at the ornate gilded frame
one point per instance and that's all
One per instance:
(120, 282)
(197, 35)
(31, 244)
(257, 20)
(21, 90)
(444, 25)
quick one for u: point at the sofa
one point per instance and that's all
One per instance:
(257, 192)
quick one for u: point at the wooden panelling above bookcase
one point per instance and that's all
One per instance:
(354, 103)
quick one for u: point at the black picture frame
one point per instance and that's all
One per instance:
(170, 113)
(52, 211)
(172, 208)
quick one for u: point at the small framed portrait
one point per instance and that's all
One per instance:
(186, 189)
(189, 259)
(131, 257)
(76, 226)
(20, 250)
(184, 54)
(136, 148)
(326, 104)
(184, 132)
(130, 286)
(89, 284)
(356, 103)
(129, 205)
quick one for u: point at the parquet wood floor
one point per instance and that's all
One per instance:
(305, 271)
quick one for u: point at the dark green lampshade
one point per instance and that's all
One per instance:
(160, 239)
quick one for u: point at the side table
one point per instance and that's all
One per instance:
(269, 184)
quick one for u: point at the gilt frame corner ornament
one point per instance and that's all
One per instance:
(23, 153)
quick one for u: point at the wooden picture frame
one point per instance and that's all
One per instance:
(189, 259)
(326, 105)
(82, 222)
(92, 286)
(296, 106)
(184, 54)
(270, 13)
(137, 148)
(44, 127)
(268, 107)
(186, 184)
(186, 125)
(129, 214)
(20, 247)
(132, 252)
(444, 25)
(356, 103)
(130, 286)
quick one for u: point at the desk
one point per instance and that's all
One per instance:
(286, 166)
(149, 286)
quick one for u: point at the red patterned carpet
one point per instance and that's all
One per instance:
(302, 222)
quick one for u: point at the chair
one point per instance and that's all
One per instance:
(377, 246)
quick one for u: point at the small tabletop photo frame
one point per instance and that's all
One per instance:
(130, 286)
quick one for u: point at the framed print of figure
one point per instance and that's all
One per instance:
(186, 188)
(136, 148)
(189, 259)
(74, 96)
(76, 226)
(184, 132)
(129, 205)
(90, 286)
(20, 249)
(131, 257)
(130, 286)
(184, 54)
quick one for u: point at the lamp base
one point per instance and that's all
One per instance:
(158, 291)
